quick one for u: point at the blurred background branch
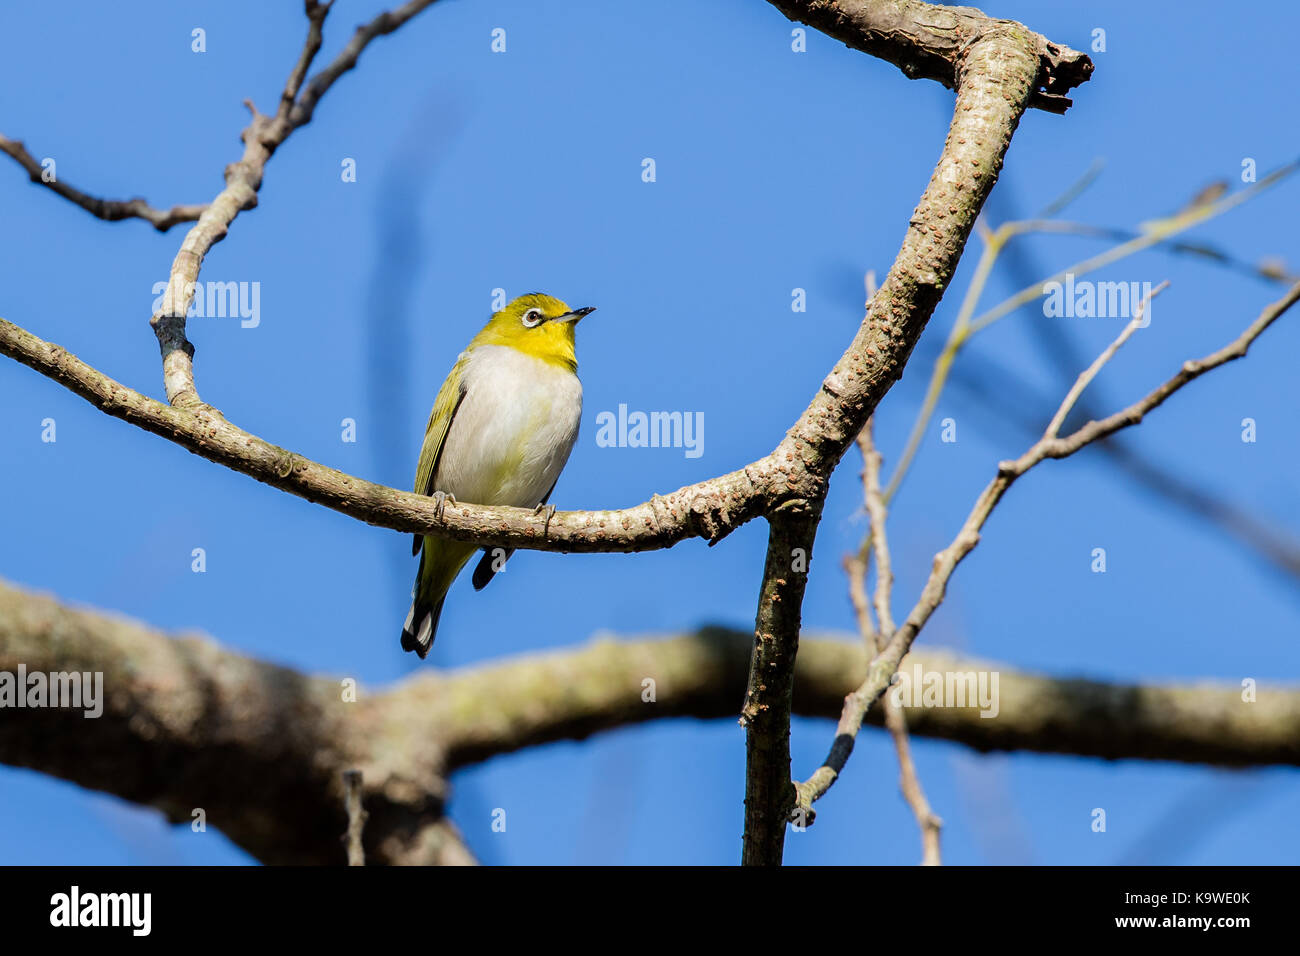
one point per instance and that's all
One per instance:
(262, 749)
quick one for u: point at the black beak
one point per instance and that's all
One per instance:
(576, 314)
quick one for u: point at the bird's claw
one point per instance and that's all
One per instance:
(550, 513)
(440, 499)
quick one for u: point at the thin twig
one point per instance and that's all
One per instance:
(317, 86)
(262, 137)
(316, 13)
(855, 569)
(909, 781)
(967, 324)
(875, 505)
(895, 719)
(1073, 191)
(1085, 378)
(881, 671)
(1153, 233)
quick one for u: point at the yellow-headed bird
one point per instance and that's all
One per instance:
(501, 429)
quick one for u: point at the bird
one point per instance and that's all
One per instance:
(501, 430)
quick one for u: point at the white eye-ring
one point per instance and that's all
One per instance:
(532, 318)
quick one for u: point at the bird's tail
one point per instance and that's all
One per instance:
(421, 626)
(440, 562)
(422, 620)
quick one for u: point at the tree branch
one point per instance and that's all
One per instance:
(799, 467)
(111, 210)
(909, 781)
(929, 41)
(709, 509)
(998, 71)
(262, 749)
(997, 67)
(303, 110)
(769, 794)
(886, 663)
(316, 13)
(261, 138)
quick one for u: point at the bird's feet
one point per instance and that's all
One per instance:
(550, 513)
(440, 499)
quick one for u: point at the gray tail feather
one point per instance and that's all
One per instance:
(421, 627)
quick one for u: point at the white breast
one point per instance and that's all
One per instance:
(513, 431)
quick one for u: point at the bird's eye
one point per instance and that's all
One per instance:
(532, 318)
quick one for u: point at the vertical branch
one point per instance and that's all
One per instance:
(909, 782)
(769, 791)
(877, 512)
(997, 75)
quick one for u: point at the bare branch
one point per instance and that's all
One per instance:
(262, 749)
(319, 84)
(909, 781)
(262, 136)
(1087, 375)
(885, 664)
(875, 504)
(709, 509)
(316, 13)
(111, 210)
(1012, 398)
(998, 68)
(929, 41)
(769, 794)
(968, 324)
(999, 72)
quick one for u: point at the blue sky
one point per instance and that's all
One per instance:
(775, 170)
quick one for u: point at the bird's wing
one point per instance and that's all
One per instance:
(445, 406)
(484, 570)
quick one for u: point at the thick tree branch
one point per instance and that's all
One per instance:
(997, 75)
(262, 749)
(573, 693)
(929, 41)
(111, 210)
